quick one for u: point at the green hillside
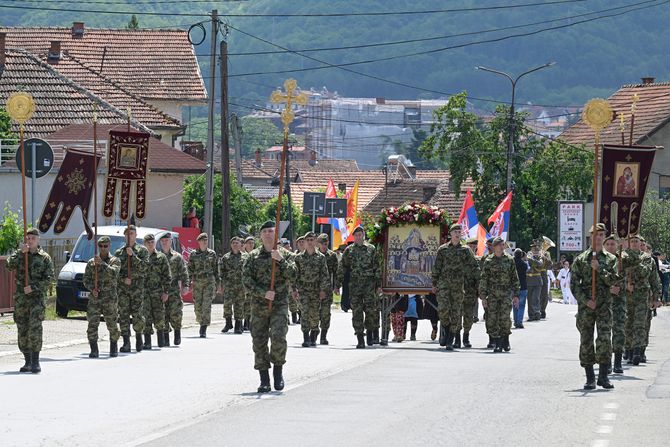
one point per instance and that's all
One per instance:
(593, 58)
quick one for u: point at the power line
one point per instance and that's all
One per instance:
(102, 11)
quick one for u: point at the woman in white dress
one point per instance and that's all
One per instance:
(564, 281)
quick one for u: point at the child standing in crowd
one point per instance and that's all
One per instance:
(564, 281)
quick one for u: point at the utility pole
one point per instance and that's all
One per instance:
(511, 126)
(209, 187)
(225, 151)
(236, 128)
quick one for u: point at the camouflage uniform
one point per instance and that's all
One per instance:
(311, 278)
(268, 324)
(29, 309)
(230, 273)
(106, 303)
(157, 282)
(174, 304)
(499, 283)
(327, 303)
(293, 304)
(131, 297)
(619, 317)
(204, 273)
(640, 274)
(362, 264)
(454, 267)
(471, 296)
(600, 318)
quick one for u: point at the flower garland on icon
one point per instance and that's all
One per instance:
(411, 213)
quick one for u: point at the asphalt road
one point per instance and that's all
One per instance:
(412, 393)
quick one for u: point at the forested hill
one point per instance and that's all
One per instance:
(593, 58)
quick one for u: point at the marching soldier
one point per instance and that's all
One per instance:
(230, 273)
(471, 297)
(174, 304)
(29, 301)
(294, 303)
(326, 304)
(618, 307)
(500, 291)
(536, 279)
(133, 260)
(204, 273)
(487, 253)
(156, 287)
(655, 296)
(270, 322)
(103, 299)
(249, 244)
(453, 268)
(311, 286)
(300, 243)
(361, 262)
(594, 311)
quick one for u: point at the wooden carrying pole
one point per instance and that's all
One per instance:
(128, 244)
(95, 193)
(282, 171)
(23, 194)
(596, 154)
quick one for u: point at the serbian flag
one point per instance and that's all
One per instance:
(470, 224)
(500, 218)
(330, 194)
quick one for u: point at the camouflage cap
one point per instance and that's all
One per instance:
(455, 226)
(472, 240)
(268, 224)
(635, 236)
(598, 227)
(358, 229)
(310, 234)
(489, 241)
(130, 228)
(236, 239)
(300, 239)
(166, 235)
(611, 237)
(323, 237)
(250, 238)
(202, 236)
(497, 240)
(104, 240)
(642, 239)
(149, 237)
(33, 232)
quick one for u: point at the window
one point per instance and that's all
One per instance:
(663, 185)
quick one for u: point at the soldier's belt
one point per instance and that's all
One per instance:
(533, 274)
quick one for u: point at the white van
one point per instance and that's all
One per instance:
(70, 291)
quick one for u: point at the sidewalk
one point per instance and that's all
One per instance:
(72, 331)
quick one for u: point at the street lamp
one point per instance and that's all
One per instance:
(510, 144)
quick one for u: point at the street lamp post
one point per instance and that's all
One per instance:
(510, 143)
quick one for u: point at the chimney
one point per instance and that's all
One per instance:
(54, 52)
(648, 80)
(259, 162)
(3, 37)
(78, 29)
(312, 157)
(428, 193)
(342, 187)
(380, 100)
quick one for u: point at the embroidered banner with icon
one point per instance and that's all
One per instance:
(623, 183)
(72, 188)
(127, 162)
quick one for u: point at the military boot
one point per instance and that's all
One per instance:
(245, 325)
(125, 347)
(618, 369)
(166, 338)
(161, 338)
(26, 367)
(203, 331)
(603, 380)
(505, 343)
(229, 325)
(457, 340)
(368, 338)
(312, 337)
(294, 317)
(278, 377)
(305, 339)
(147, 342)
(384, 339)
(590, 378)
(324, 340)
(238, 327)
(113, 349)
(361, 341)
(375, 337)
(177, 337)
(35, 367)
(609, 367)
(497, 342)
(138, 342)
(636, 356)
(490, 345)
(448, 344)
(643, 356)
(626, 354)
(466, 340)
(443, 335)
(265, 381)
(94, 350)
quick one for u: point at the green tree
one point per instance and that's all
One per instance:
(656, 222)
(543, 172)
(243, 206)
(11, 230)
(133, 23)
(301, 222)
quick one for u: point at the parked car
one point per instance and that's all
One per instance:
(70, 291)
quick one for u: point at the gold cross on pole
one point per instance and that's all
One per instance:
(292, 96)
